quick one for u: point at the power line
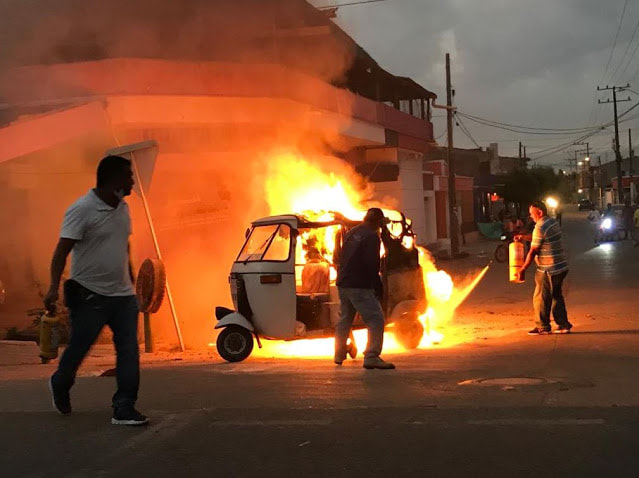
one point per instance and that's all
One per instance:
(465, 130)
(547, 152)
(523, 131)
(632, 37)
(532, 128)
(632, 57)
(349, 4)
(614, 43)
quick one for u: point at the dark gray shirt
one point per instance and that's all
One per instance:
(359, 259)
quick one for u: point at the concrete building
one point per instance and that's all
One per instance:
(215, 83)
(480, 168)
(599, 183)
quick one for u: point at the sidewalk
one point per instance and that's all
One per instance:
(19, 360)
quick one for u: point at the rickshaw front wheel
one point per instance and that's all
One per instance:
(234, 343)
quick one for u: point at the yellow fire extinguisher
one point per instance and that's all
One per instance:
(515, 260)
(49, 336)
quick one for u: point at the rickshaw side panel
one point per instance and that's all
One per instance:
(273, 305)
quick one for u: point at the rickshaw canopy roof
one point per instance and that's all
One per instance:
(302, 221)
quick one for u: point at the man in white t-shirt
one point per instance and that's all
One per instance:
(96, 230)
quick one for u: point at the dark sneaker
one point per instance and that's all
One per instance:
(338, 360)
(60, 398)
(128, 416)
(538, 331)
(562, 330)
(377, 362)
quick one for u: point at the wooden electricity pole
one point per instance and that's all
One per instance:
(450, 158)
(615, 89)
(631, 153)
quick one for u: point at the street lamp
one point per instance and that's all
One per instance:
(580, 163)
(587, 159)
(580, 191)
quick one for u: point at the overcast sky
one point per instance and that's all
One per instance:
(532, 63)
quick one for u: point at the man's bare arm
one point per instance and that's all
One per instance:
(529, 258)
(131, 266)
(58, 264)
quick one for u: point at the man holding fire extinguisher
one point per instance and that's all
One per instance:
(547, 250)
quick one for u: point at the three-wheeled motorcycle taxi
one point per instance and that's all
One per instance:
(283, 282)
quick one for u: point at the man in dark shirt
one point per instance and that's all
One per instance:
(359, 283)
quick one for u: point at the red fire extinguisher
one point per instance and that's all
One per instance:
(515, 260)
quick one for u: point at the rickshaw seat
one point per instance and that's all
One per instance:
(313, 297)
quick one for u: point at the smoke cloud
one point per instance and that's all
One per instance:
(210, 175)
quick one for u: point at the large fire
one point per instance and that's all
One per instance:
(295, 185)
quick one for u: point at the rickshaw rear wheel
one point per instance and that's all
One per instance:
(409, 331)
(234, 343)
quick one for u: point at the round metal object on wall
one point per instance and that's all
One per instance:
(150, 285)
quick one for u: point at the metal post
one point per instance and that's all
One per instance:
(148, 335)
(169, 296)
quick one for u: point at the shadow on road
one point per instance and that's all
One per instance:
(609, 332)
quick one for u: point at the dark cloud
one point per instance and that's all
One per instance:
(532, 63)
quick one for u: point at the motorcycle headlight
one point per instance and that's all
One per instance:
(607, 223)
(503, 238)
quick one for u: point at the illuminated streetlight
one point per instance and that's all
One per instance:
(587, 158)
(580, 163)
(580, 191)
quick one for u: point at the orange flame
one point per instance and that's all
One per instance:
(295, 185)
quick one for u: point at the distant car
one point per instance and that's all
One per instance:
(585, 205)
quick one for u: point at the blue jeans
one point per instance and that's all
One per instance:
(366, 303)
(89, 313)
(549, 298)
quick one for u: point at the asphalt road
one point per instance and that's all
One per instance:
(501, 404)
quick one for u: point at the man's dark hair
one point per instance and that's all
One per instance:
(375, 215)
(540, 205)
(110, 167)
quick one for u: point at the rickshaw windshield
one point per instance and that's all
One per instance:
(267, 243)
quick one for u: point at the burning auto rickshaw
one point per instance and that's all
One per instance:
(283, 282)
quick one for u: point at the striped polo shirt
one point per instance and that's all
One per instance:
(547, 237)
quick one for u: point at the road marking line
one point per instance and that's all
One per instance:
(539, 421)
(269, 423)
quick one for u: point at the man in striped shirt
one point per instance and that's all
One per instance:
(547, 251)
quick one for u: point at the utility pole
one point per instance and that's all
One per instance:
(631, 153)
(600, 184)
(452, 193)
(520, 150)
(614, 101)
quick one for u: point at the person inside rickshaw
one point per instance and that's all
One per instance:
(316, 271)
(313, 287)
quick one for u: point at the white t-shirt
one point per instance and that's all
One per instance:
(100, 257)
